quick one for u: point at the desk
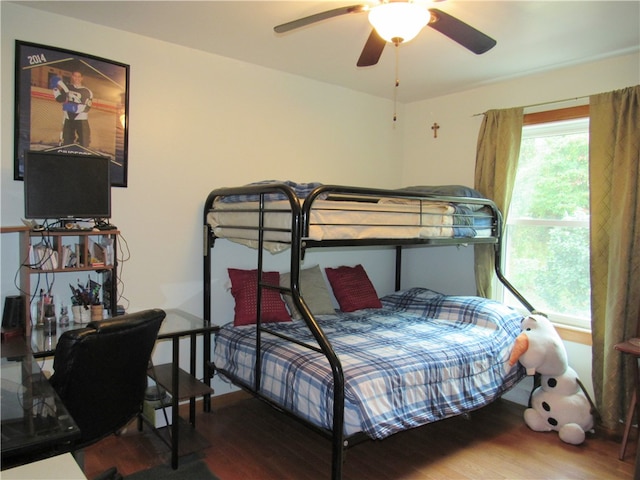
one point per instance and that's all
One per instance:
(35, 422)
(180, 384)
(45, 345)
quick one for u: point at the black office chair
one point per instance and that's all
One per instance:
(100, 372)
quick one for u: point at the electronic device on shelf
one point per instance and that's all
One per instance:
(66, 186)
(66, 229)
(104, 225)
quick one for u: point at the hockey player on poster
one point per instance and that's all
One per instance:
(76, 102)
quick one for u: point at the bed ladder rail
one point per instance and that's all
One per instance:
(338, 441)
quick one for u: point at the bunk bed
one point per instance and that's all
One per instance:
(340, 372)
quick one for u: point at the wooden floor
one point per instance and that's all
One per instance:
(250, 440)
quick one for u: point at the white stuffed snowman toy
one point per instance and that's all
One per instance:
(559, 403)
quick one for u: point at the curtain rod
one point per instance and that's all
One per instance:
(573, 99)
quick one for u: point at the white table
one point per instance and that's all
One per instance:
(61, 467)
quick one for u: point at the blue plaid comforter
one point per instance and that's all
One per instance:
(423, 357)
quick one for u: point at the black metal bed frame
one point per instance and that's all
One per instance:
(299, 243)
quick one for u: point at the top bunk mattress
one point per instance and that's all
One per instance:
(355, 217)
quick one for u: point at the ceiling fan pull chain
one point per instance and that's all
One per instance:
(395, 89)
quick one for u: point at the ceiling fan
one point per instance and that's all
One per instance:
(398, 21)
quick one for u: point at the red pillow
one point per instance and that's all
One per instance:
(245, 292)
(352, 288)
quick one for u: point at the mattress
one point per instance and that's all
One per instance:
(339, 220)
(423, 357)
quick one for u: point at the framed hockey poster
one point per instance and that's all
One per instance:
(71, 103)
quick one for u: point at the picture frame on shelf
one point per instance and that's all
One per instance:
(71, 103)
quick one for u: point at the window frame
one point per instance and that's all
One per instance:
(567, 331)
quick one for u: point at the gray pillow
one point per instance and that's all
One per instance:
(313, 288)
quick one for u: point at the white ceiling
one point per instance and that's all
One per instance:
(532, 36)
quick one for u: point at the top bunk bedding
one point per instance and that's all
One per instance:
(334, 213)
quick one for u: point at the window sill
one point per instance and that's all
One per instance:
(574, 334)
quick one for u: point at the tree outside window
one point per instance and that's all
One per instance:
(547, 238)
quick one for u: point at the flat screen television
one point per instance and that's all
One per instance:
(63, 186)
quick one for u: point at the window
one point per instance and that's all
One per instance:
(547, 228)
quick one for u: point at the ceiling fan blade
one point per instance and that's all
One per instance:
(372, 50)
(460, 32)
(302, 22)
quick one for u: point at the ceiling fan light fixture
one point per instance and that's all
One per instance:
(398, 22)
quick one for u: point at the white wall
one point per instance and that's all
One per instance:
(450, 158)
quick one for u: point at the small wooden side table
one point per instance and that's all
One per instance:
(632, 348)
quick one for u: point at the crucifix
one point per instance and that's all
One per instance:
(435, 128)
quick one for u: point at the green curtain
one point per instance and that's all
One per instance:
(496, 165)
(614, 176)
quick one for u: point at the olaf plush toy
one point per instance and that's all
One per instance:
(559, 403)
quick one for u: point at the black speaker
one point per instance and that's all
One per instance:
(13, 314)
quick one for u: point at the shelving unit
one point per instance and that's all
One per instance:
(181, 436)
(79, 242)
